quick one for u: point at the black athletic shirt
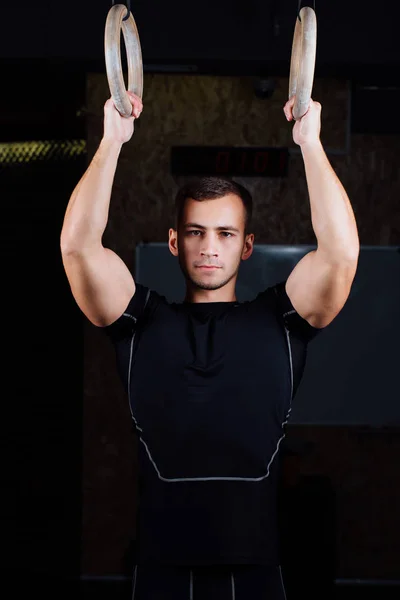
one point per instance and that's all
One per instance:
(210, 388)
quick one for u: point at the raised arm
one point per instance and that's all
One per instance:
(101, 283)
(320, 283)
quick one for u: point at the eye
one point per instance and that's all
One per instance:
(226, 234)
(194, 232)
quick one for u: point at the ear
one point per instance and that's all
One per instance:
(248, 246)
(173, 241)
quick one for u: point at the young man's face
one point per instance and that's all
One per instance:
(210, 242)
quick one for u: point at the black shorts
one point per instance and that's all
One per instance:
(220, 582)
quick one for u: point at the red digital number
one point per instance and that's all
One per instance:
(260, 162)
(243, 161)
(222, 162)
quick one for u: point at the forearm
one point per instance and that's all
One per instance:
(87, 211)
(332, 216)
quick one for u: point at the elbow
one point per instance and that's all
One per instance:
(65, 245)
(74, 241)
(341, 253)
(68, 243)
(72, 247)
(353, 253)
(354, 246)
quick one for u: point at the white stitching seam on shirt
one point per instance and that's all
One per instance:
(131, 351)
(289, 312)
(130, 316)
(134, 583)
(290, 361)
(187, 479)
(283, 585)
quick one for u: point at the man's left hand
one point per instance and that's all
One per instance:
(307, 129)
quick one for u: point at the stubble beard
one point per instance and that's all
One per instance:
(212, 285)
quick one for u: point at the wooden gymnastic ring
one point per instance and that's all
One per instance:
(112, 38)
(302, 62)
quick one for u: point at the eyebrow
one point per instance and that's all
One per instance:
(221, 228)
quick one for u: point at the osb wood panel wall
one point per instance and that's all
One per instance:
(180, 110)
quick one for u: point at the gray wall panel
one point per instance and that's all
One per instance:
(351, 376)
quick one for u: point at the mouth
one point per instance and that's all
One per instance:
(208, 268)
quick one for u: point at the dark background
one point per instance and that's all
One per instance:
(46, 49)
(351, 35)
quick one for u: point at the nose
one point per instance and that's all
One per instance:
(209, 246)
(208, 253)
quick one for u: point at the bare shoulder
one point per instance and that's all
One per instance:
(101, 284)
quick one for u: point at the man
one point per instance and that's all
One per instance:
(210, 381)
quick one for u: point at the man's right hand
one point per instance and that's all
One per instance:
(116, 127)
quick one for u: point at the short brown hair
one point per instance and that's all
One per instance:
(210, 188)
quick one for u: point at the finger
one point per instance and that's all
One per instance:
(288, 108)
(290, 103)
(134, 98)
(136, 110)
(137, 105)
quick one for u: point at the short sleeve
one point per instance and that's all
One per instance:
(126, 324)
(297, 326)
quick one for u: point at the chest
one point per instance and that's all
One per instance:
(236, 351)
(211, 392)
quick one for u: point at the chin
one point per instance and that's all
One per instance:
(209, 283)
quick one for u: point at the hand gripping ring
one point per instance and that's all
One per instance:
(302, 62)
(112, 37)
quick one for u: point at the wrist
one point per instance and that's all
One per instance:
(314, 145)
(111, 145)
